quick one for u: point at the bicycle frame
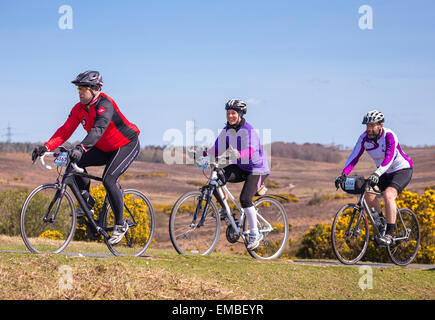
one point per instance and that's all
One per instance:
(213, 184)
(362, 204)
(69, 181)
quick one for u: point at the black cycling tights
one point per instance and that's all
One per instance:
(117, 162)
(252, 183)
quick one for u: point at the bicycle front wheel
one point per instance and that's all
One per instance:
(349, 234)
(47, 219)
(407, 238)
(273, 225)
(139, 214)
(187, 236)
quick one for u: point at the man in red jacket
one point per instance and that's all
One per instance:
(111, 140)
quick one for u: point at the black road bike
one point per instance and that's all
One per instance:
(350, 233)
(49, 215)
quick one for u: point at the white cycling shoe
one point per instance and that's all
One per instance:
(254, 241)
(118, 233)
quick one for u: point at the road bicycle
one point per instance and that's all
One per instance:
(49, 215)
(194, 223)
(350, 233)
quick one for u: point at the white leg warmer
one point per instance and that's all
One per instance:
(251, 215)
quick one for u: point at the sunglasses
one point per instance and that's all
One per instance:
(82, 89)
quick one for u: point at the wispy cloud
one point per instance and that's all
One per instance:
(253, 101)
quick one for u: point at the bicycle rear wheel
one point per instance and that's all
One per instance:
(273, 225)
(186, 236)
(139, 214)
(55, 233)
(349, 234)
(404, 249)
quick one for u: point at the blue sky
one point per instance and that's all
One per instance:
(307, 70)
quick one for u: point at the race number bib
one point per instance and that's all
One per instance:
(61, 160)
(349, 184)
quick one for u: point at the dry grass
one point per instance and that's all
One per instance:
(165, 275)
(39, 277)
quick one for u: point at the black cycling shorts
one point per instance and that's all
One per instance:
(252, 183)
(398, 180)
(116, 162)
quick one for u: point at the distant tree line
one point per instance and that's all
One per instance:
(152, 153)
(25, 147)
(307, 151)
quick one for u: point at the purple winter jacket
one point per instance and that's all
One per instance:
(245, 140)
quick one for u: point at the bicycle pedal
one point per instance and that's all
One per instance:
(130, 223)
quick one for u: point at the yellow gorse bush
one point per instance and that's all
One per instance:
(424, 208)
(51, 234)
(316, 242)
(138, 235)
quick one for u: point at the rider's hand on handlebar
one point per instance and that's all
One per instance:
(233, 154)
(76, 154)
(373, 180)
(339, 180)
(39, 151)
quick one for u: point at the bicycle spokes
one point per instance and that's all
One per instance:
(187, 236)
(139, 215)
(47, 220)
(349, 234)
(273, 226)
(406, 238)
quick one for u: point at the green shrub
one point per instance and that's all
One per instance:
(11, 202)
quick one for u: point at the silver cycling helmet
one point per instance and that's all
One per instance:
(373, 116)
(92, 79)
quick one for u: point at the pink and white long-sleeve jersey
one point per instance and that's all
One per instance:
(385, 152)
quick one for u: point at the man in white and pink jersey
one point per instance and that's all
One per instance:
(394, 167)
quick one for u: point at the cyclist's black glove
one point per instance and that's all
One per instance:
(339, 180)
(38, 151)
(76, 154)
(373, 180)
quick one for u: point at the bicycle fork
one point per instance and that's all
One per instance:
(56, 199)
(206, 194)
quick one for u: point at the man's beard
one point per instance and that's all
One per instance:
(83, 101)
(374, 135)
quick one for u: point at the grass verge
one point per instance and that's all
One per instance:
(166, 275)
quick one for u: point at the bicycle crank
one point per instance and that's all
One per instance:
(232, 235)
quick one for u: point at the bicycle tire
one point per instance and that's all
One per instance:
(38, 236)
(137, 239)
(274, 242)
(182, 218)
(359, 248)
(398, 254)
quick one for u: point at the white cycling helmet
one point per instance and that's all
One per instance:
(373, 116)
(237, 105)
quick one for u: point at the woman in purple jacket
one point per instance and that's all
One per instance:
(251, 166)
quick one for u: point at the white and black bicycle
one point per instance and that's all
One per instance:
(194, 224)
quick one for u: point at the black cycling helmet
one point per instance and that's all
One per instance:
(373, 116)
(237, 105)
(92, 79)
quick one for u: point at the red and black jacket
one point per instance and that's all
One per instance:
(107, 128)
